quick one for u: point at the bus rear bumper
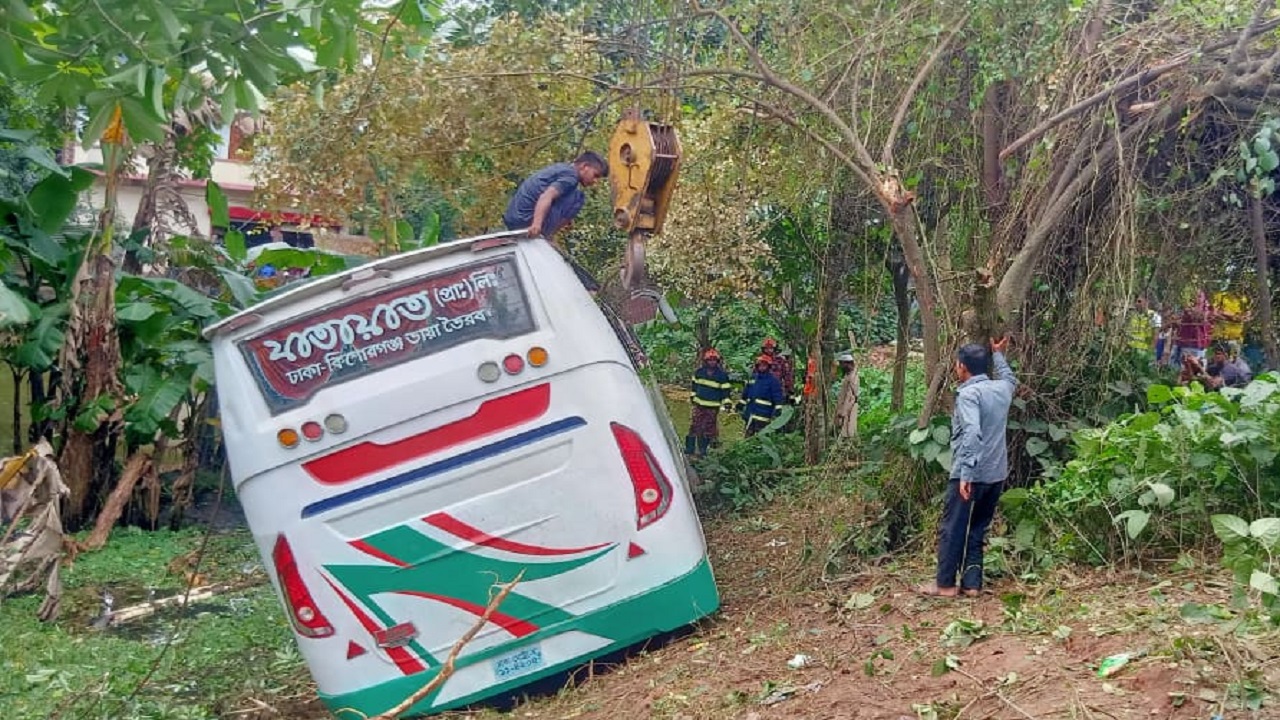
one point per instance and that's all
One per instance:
(667, 607)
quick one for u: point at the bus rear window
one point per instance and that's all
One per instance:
(292, 361)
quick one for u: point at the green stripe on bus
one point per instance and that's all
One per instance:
(664, 608)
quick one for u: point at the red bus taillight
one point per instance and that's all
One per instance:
(653, 490)
(307, 618)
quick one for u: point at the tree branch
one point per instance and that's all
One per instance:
(766, 75)
(904, 105)
(1134, 80)
(1237, 53)
(446, 669)
(1017, 278)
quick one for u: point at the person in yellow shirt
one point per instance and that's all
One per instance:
(1144, 326)
(1229, 313)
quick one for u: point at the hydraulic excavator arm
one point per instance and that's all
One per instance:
(644, 162)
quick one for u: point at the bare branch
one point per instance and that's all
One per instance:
(899, 117)
(1017, 278)
(447, 668)
(766, 75)
(1132, 81)
(1237, 53)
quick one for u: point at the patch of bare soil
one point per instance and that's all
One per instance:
(873, 649)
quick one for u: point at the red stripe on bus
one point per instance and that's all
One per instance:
(515, 626)
(372, 551)
(404, 660)
(492, 416)
(475, 535)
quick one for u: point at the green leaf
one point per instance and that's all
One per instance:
(219, 207)
(42, 343)
(168, 21)
(1164, 494)
(1197, 614)
(1264, 582)
(1268, 161)
(1135, 521)
(941, 435)
(918, 436)
(430, 234)
(1159, 394)
(13, 310)
(1036, 446)
(945, 459)
(41, 157)
(143, 125)
(1229, 528)
(234, 243)
(1263, 453)
(155, 404)
(241, 287)
(1201, 460)
(136, 312)
(1014, 498)
(52, 201)
(1267, 532)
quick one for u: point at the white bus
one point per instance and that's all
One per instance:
(405, 435)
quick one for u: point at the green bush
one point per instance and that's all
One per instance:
(1150, 481)
(752, 471)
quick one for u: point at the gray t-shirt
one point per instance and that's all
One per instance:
(564, 176)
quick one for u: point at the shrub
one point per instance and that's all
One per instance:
(1150, 481)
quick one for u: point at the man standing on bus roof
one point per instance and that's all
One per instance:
(710, 392)
(548, 200)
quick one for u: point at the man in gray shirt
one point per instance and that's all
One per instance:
(979, 465)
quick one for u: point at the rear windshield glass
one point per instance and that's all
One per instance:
(294, 360)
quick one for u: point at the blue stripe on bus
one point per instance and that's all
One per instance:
(467, 458)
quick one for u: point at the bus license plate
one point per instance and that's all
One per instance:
(520, 662)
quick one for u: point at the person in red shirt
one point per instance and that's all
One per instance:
(780, 366)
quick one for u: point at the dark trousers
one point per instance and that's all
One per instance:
(962, 533)
(696, 445)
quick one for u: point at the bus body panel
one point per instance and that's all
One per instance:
(442, 484)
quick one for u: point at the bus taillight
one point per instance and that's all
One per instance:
(307, 618)
(653, 490)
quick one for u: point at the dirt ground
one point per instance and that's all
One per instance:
(876, 650)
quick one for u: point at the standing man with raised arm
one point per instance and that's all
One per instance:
(979, 466)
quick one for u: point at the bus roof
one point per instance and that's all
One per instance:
(368, 270)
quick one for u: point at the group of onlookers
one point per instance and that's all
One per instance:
(1204, 338)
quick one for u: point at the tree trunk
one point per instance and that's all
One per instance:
(903, 222)
(992, 141)
(1262, 299)
(38, 428)
(17, 409)
(702, 333)
(902, 300)
(91, 363)
(816, 420)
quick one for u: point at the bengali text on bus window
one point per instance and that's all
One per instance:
(292, 361)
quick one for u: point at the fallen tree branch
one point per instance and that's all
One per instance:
(137, 466)
(446, 669)
(1140, 78)
(183, 599)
